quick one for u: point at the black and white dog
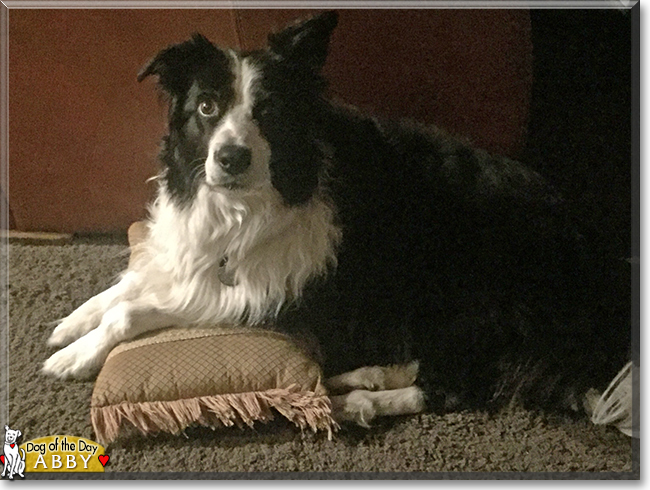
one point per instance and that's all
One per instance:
(389, 242)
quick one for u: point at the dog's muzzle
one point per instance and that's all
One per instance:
(234, 159)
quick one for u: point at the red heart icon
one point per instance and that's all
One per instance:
(2, 458)
(12, 445)
(103, 459)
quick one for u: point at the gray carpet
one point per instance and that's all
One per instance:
(47, 282)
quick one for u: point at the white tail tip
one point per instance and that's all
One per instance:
(615, 405)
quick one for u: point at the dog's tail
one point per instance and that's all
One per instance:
(616, 405)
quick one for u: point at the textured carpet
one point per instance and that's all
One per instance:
(47, 282)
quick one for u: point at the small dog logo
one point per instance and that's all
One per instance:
(14, 463)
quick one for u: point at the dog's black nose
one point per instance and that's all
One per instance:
(234, 159)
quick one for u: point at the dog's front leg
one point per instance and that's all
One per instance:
(12, 467)
(83, 358)
(89, 315)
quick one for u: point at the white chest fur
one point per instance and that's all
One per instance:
(272, 251)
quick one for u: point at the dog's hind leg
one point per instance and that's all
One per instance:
(89, 315)
(21, 464)
(375, 378)
(361, 406)
(84, 357)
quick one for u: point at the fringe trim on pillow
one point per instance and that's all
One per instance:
(303, 408)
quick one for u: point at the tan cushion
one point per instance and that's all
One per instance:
(185, 363)
(212, 377)
(169, 379)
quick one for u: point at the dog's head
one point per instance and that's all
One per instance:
(11, 436)
(242, 121)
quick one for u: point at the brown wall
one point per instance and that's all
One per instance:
(84, 133)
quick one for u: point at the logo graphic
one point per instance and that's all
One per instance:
(64, 454)
(13, 457)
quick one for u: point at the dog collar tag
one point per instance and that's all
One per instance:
(226, 275)
(12, 445)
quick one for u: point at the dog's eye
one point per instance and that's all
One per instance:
(208, 108)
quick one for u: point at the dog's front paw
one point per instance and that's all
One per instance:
(78, 360)
(73, 327)
(61, 336)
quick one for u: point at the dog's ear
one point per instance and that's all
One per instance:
(18, 434)
(307, 41)
(175, 64)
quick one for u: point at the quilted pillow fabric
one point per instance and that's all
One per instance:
(170, 379)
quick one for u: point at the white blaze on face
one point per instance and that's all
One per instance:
(237, 127)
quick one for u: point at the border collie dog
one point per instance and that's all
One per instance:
(388, 242)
